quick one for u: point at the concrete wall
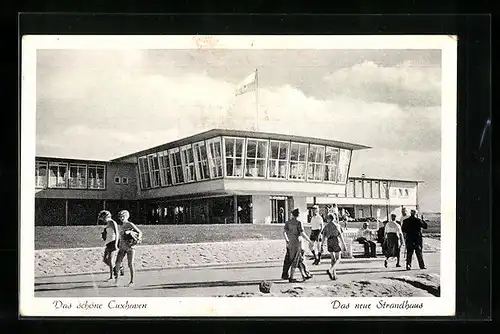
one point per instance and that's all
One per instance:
(394, 195)
(205, 187)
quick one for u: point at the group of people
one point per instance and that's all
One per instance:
(392, 235)
(331, 233)
(121, 237)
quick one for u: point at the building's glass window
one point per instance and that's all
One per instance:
(375, 189)
(188, 163)
(256, 156)
(278, 159)
(367, 191)
(175, 158)
(154, 170)
(359, 188)
(400, 192)
(215, 157)
(144, 173)
(58, 175)
(96, 177)
(406, 193)
(124, 180)
(165, 171)
(233, 150)
(41, 174)
(350, 188)
(77, 176)
(383, 190)
(201, 159)
(344, 159)
(298, 161)
(316, 163)
(331, 164)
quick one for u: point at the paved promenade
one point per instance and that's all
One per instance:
(357, 277)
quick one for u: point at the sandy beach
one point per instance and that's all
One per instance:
(55, 262)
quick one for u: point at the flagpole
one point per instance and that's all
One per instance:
(257, 97)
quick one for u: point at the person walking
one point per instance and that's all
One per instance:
(293, 233)
(393, 240)
(130, 235)
(333, 236)
(316, 227)
(412, 230)
(110, 238)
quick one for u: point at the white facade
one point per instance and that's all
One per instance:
(369, 197)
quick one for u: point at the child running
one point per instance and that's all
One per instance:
(332, 233)
(110, 237)
(130, 235)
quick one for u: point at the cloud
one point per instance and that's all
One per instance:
(405, 84)
(111, 103)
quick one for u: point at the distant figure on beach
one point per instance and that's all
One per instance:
(412, 229)
(393, 240)
(293, 233)
(364, 237)
(130, 235)
(110, 238)
(333, 235)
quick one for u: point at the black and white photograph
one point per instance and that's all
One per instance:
(238, 175)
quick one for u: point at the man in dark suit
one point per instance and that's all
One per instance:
(412, 230)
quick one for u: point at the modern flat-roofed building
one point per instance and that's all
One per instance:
(373, 197)
(218, 176)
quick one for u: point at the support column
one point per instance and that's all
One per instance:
(387, 211)
(235, 208)
(104, 204)
(66, 212)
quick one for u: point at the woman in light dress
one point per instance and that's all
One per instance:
(393, 239)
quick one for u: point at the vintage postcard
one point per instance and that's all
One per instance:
(238, 176)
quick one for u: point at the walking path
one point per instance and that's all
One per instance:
(357, 278)
(76, 261)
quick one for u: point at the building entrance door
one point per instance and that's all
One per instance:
(279, 209)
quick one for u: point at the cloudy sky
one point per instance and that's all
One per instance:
(99, 104)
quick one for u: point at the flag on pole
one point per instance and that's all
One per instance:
(249, 84)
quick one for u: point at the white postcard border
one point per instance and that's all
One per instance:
(278, 306)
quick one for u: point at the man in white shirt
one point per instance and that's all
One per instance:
(364, 237)
(316, 227)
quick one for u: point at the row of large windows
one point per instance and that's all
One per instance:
(73, 175)
(244, 158)
(367, 189)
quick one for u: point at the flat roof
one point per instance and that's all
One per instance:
(384, 179)
(243, 133)
(61, 159)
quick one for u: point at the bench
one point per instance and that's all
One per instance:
(354, 248)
